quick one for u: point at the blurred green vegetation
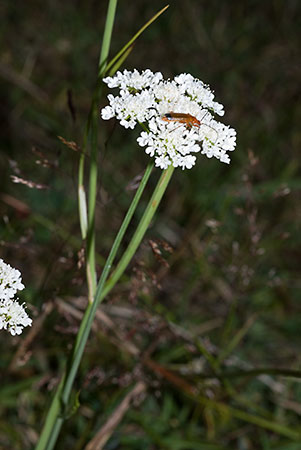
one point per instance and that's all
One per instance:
(229, 298)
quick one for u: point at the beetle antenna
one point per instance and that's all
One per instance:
(206, 125)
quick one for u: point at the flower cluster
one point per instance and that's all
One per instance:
(13, 316)
(176, 115)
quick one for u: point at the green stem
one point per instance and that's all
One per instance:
(107, 35)
(53, 422)
(90, 246)
(136, 239)
(54, 419)
(131, 41)
(88, 224)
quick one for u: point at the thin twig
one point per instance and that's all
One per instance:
(100, 439)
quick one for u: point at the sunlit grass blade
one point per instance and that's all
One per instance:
(120, 61)
(82, 205)
(131, 41)
(83, 212)
(107, 35)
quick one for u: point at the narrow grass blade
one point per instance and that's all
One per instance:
(131, 41)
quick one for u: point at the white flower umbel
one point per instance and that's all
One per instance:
(13, 316)
(145, 98)
(10, 281)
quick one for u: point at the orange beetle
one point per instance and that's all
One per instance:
(182, 118)
(186, 119)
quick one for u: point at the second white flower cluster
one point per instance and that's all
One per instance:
(13, 316)
(176, 115)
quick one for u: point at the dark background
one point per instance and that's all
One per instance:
(232, 287)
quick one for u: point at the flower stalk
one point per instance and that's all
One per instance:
(56, 415)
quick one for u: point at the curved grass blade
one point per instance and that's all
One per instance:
(131, 41)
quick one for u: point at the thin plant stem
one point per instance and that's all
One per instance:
(93, 175)
(90, 249)
(107, 35)
(131, 41)
(53, 424)
(88, 223)
(60, 401)
(55, 416)
(136, 239)
(57, 412)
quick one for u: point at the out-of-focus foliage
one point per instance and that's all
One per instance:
(227, 298)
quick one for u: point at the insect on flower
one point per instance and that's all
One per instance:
(142, 100)
(186, 119)
(182, 118)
